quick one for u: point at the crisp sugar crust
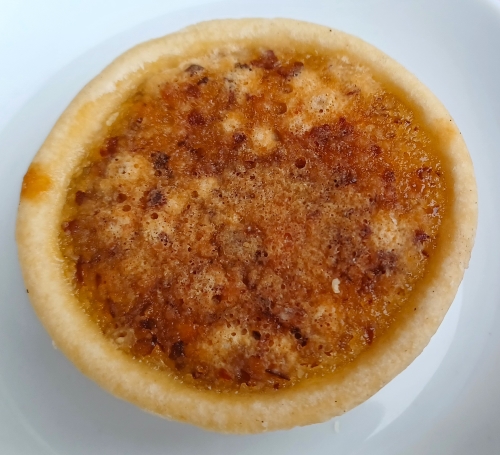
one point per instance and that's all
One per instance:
(254, 218)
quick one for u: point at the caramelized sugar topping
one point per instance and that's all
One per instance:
(254, 218)
(35, 182)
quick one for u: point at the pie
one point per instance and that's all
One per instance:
(248, 225)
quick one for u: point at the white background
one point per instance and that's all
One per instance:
(446, 402)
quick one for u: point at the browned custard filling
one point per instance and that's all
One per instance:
(254, 218)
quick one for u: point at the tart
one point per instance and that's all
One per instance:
(248, 225)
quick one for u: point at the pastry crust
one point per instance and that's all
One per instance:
(52, 294)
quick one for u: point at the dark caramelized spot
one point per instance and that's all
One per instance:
(223, 374)
(421, 236)
(199, 371)
(70, 226)
(267, 60)
(280, 108)
(343, 176)
(389, 176)
(192, 91)
(194, 69)
(195, 118)
(155, 198)
(423, 172)
(386, 262)
(300, 163)
(80, 197)
(110, 147)
(278, 374)
(375, 150)
(369, 334)
(79, 272)
(320, 135)
(231, 98)
(244, 377)
(120, 198)
(177, 350)
(241, 66)
(365, 231)
(163, 238)
(143, 347)
(291, 70)
(148, 324)
(160, 160)
(239, 137)
(343, 128)
(111, 308)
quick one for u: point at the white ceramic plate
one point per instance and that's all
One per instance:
(446, 402)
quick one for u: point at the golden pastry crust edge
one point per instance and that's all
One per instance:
(313, 401)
